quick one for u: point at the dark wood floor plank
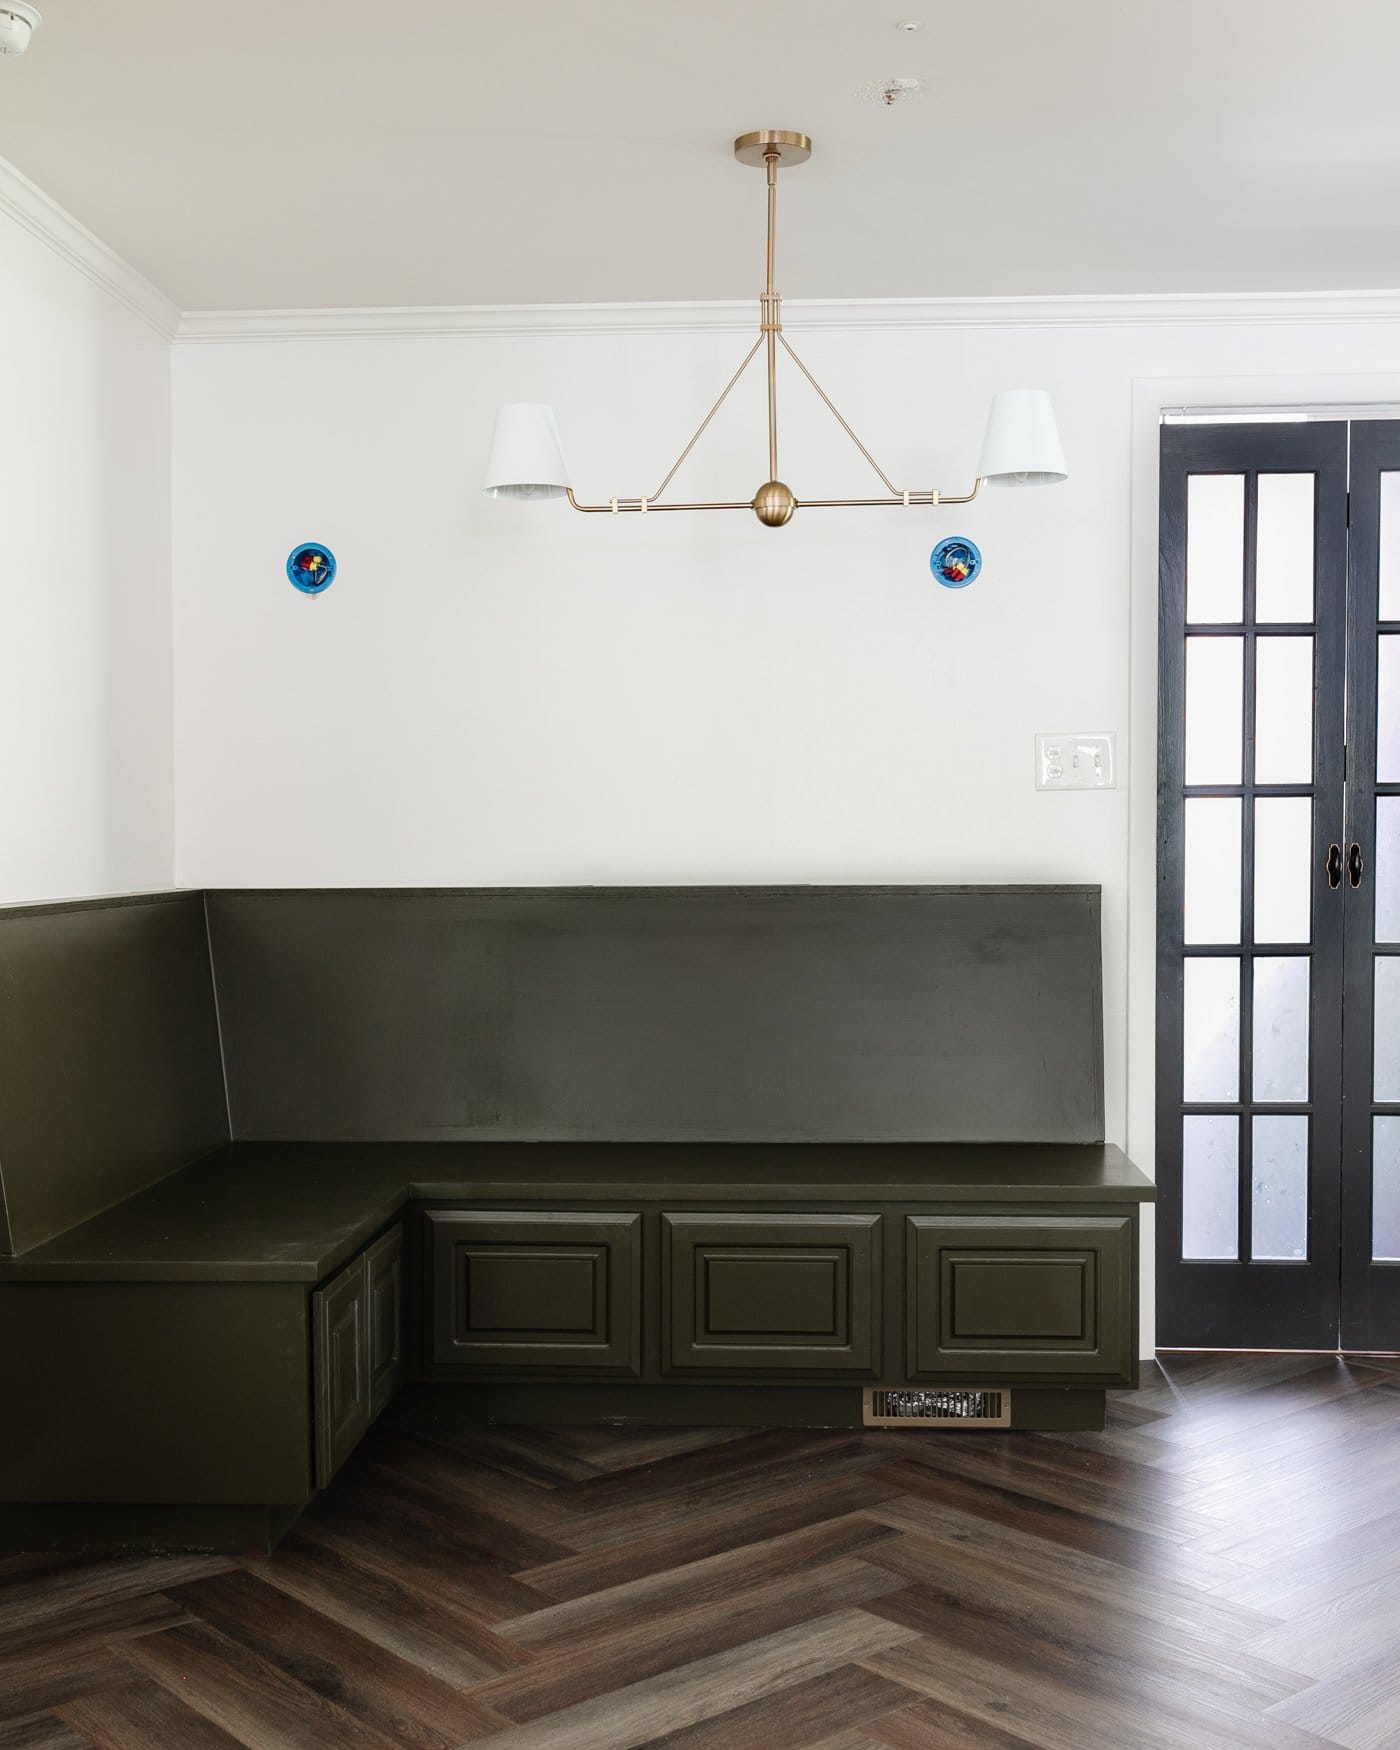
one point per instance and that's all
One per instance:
(755, 1455)
(1135, 1497)
(40, 1597)
(623, 1446)
(1358, 1706)
(931, 1547)
(43, 1732)
(690, 1585)
(690, 1693)
(797, 1717)
(475, 1534)
(588, 1665)
(453, 1468)
(93, 1624)
(42, 1686)
(1098, 1660)
(702, 1529)
(1033, 1622)
(379, 1536)
(367, 1680)
(1007, 1504)
(1362, 1623)
(924, 1725)
(399, 1611)
(143, 1716)
(1062, 1715)
(246, 1696)
(1317, 1569)
(530, 1455)
(747, 1489)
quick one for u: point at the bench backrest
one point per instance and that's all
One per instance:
(807, 1014)
(109, 1056)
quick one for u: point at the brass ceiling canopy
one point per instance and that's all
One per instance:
(1021, 447)
(791, 149)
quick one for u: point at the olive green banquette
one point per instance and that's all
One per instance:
(712, 1155)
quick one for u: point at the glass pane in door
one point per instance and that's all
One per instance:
(1387, 1035)
(1283, 711)
(1390, 547)
(1212, 869)
(1388, 710)
(1211, 1031)
(1214, 710)
(1279, 1188)
(1282, 869)
(1283, 587)
(1385, 1190)
(1214, 548)
(1387, 866)
(1210, 1196)
(1282, 987)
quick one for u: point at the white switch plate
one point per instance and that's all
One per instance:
(1076, 759)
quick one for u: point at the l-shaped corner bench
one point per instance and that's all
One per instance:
(710, 1155)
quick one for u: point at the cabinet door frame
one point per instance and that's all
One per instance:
(609, 1241)
(1101, 1248)
(340, 1318)
(850, 1244)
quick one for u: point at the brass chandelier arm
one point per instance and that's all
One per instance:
(748, 360)
(841, 421)
(623, 506)
(900, 501)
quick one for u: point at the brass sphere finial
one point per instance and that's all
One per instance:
(774, 504)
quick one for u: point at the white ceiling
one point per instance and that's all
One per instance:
(389, 152)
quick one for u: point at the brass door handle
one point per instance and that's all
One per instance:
(1334, 866)
(1355, 867)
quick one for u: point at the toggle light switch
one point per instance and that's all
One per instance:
(1076, 760)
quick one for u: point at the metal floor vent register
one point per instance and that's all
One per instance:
(954, 1408)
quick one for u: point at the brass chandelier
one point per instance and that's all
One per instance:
(1021, 446)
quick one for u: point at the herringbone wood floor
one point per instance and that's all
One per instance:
(1221, 1567)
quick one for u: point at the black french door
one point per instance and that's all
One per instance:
(1371, 1028)
(1278, 993)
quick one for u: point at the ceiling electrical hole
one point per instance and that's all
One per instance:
(891, 91)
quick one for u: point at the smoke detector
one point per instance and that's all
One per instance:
(18, 22)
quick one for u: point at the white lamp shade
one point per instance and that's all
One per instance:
(1022, 446)
(525, 461)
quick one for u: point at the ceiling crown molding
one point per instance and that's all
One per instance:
(480, 320)
(28, 205)
(38, 213)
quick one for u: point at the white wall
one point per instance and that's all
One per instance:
(86, 728)
(500, 694)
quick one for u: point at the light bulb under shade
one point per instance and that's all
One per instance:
(526, 461)
(1022, 444)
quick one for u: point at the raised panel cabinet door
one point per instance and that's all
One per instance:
(536, 1289)
(340, 1321)
(768, 1294)
(384, 1312)
(1038, 1298)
